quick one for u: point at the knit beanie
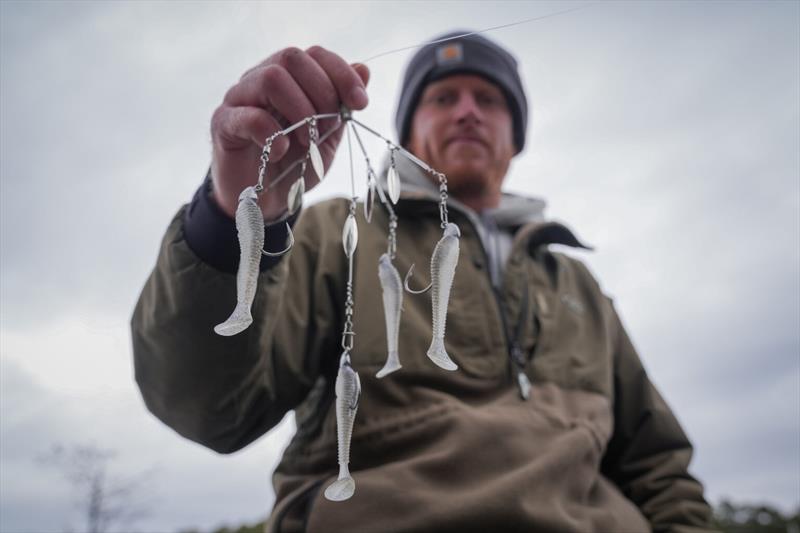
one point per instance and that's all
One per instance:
(470, 54)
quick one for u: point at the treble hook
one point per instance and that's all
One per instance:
(409, 289)
(291, 243)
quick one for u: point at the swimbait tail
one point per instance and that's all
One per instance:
(392, 305)
(348, 391)
(443, 269)
(250, 227)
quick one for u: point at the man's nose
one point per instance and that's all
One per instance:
(467, 109)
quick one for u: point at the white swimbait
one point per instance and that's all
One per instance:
(348, 391)
(443, 269)
(392, 305)
(250, 230)
(250, 227)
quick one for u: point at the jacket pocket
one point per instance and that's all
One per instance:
(573, 346)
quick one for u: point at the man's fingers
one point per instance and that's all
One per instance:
(363, 72)
(272, 87)
(312, 79)
(349, 85)
(236, 128)
(324, 78)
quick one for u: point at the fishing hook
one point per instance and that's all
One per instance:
(291, 243)
(409, 289)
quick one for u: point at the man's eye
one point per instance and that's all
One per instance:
(443, 99)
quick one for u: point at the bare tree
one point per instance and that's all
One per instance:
(107, 501)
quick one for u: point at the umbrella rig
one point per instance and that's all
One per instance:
(250, 229)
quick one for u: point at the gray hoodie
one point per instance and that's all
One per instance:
(495, 226)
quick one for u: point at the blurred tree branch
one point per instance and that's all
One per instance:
(106, 501)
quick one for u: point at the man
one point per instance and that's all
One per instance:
(590, 446)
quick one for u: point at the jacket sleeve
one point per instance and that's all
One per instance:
(649, 454)
(225, 392)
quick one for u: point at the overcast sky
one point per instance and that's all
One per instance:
(665, 134)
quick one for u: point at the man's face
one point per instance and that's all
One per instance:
(462, 127)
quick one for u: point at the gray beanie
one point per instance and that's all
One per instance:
(471, 54)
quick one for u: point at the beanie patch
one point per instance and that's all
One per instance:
(449, 54)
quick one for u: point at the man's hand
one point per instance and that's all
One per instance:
(287, 87)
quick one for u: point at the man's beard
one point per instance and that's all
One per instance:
(467, 184)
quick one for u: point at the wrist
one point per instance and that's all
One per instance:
(212, 235)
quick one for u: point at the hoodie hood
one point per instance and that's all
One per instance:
(514, 211)
(495, 227)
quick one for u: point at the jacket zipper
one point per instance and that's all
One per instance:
(515, 354)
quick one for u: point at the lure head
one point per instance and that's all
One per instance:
(348, 384)
(385, 260)
(451, 230)
(249, 193)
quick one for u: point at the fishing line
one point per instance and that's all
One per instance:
(525, 21)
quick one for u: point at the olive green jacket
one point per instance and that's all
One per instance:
(595, 447)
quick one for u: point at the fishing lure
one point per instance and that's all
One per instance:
(348, 392)
(443, 270)
(250, 225)
(250, 229)
(392, 304)
(391, 286)
(348, 384)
